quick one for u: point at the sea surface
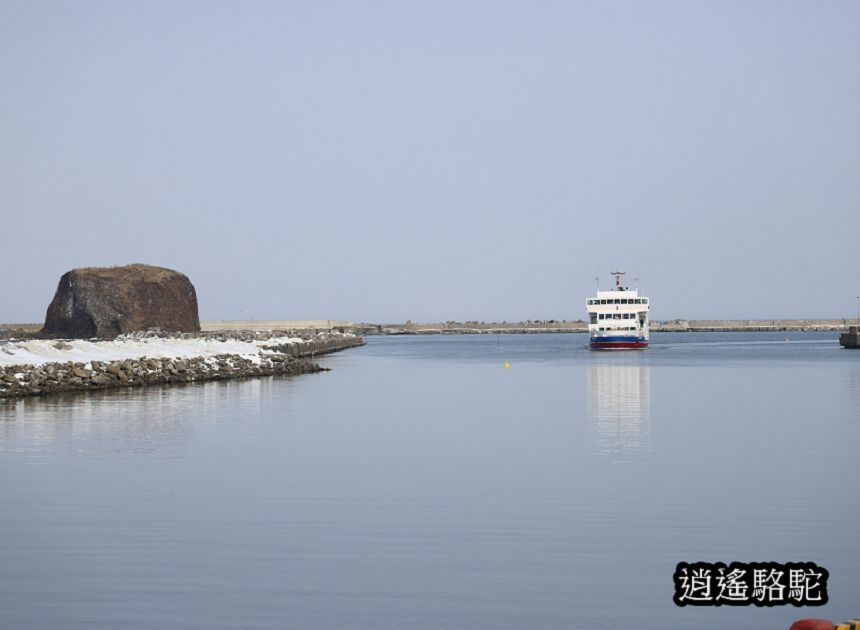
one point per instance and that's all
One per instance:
(479, 482)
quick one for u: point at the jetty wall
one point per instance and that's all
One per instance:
(8, 331)
(286, 359)
(310, 325)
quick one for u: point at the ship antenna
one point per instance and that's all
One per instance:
(617, 275)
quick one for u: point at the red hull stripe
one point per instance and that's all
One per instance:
(610, 345)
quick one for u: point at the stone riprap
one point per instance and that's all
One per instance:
(42, 373)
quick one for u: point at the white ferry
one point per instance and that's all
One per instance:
(618, 319)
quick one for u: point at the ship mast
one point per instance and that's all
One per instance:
(617, 275)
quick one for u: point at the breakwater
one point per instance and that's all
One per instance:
(580, 326)
(750, 325)
(262, 326)
(270, 327)
(276, 358)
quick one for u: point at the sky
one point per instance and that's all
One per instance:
(429, 161)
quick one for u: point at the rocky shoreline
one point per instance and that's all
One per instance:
(275, 358)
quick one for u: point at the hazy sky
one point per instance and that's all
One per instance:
(384, 161)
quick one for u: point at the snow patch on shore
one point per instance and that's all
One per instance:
(39, 352)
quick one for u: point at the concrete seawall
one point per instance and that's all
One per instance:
(260, 325)
(750, 325)
(310, 349)
(277, 324)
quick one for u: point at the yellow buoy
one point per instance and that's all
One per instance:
(507, 365)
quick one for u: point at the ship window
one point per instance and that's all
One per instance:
(603, 301)
(624, 300)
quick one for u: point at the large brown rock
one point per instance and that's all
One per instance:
(108, 301)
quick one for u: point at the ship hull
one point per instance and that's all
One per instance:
(625, 342)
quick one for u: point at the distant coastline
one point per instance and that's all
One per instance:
(24, 331)
(580, 326)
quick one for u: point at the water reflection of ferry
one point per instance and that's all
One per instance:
(618, 319)
(619, 409)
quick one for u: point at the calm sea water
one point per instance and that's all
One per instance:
(423, 484)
